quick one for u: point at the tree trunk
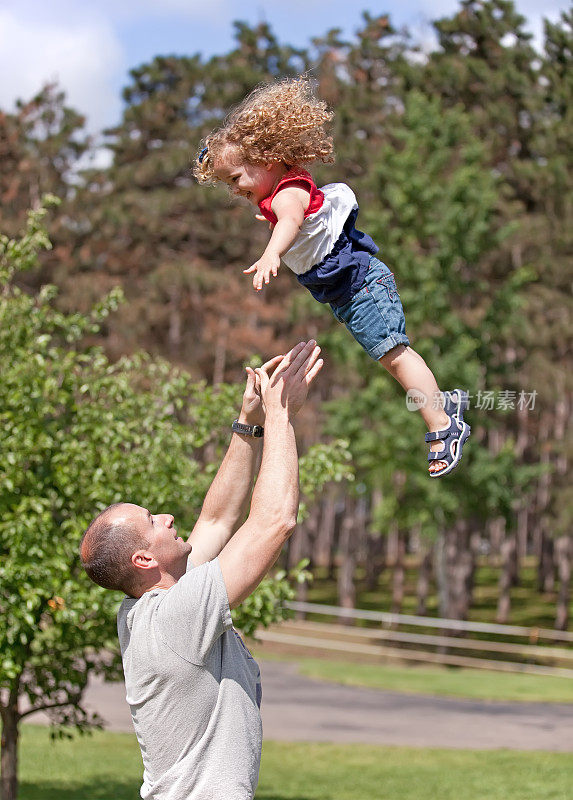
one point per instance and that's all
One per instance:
(507, 578)
(398, 572)
(303, 549)
(297, 546)
(220, 359)
(543, 492)
(347, 554)
(9, 747)
(374, 560)
(311, 525)
(462, 566)
(324, 542)
(522, 527)
(297, 549)
(441, 573)
(375, 545)
(546, 562)
(454, 565)
(563, 553)
(496, 528)
(424, 578)
(175, 322)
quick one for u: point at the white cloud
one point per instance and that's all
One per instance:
(83, 56)
(134, 9)
(189, 8)
(83, 45)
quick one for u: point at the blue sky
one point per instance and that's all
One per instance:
(88, 46)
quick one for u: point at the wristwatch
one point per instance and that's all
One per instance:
(247, 430)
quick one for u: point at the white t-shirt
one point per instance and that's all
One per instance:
(193, 689)
(321, 230)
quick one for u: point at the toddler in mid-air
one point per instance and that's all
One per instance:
(259, 152)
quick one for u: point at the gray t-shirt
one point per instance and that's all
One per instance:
(193, 689)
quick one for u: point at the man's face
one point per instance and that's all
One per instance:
(168, 548)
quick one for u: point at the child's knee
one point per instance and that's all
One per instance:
(391, 359)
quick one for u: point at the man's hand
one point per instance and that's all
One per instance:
(287, 386)
(267, 265)
(252, 410)
(255, 547)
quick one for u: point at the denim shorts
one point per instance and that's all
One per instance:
(374, 316)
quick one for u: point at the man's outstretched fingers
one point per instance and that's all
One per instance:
(312, 359)
(303, 357)
(313, 371)
(271, 363)
(289, 359)
(251, 377)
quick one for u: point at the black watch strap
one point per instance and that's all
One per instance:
(247, 430)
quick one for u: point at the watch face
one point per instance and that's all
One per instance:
(257, 431)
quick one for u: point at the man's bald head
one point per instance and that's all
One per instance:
(107, 547)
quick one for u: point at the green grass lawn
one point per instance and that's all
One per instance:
(445, 681)
(107, 766)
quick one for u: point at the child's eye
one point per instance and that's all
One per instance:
(234, 178)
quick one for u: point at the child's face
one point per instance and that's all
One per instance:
(254, 182)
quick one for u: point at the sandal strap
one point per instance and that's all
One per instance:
(453, 429)
(434, 436)
(439, 456)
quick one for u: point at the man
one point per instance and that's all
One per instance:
(193, 687)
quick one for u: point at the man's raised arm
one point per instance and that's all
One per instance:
(251, 552)
(225, 503)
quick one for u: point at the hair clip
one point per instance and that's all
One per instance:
(202, 155)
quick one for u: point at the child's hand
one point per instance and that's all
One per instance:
(267, 265)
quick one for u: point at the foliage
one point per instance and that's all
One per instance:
(438, 219)
(266, 605)
(460, 160)
(80, 433)
(322, 464)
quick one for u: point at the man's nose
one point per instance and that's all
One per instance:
(169, 519)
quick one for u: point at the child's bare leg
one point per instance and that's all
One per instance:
(412, 372)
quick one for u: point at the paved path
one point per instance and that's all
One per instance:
(296, 708)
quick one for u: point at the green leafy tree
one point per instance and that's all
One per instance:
(436, 220)
(41, 141)
(486, 62)
(178, 248)
(548, 241)
(519, 103)
(78, 434)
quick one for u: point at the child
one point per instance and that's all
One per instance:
(258, 152)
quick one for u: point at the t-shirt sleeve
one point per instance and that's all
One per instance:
(195, 612)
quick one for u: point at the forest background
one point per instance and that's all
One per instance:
(461, 163)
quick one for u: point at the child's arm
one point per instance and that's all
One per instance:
(289, 206)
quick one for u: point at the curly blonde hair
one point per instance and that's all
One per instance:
(278, 122)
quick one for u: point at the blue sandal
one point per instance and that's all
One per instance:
(454, 436)
(456, 402)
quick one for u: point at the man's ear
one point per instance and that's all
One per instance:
(143, 559)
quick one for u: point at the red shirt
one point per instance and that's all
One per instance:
(296, 175)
